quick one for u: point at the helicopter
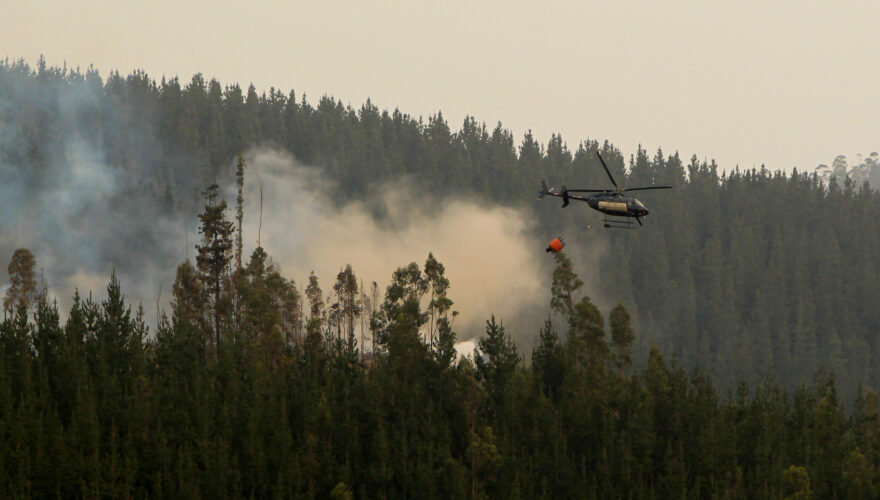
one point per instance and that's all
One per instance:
(611, 202)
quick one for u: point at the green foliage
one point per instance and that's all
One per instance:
(797, 483)
(622, 336)
(23, 286)
(747, 273)
(745, 278)
(547, 359)
(99, 407)
(239, 209)
(438, 283)
(213, 258)
(401, 318)
(496, 359)
(565, 283)
(341, 492)
(315, 296)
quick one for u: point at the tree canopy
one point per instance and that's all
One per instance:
(746, 317)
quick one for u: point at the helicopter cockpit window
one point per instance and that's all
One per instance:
(638, 204)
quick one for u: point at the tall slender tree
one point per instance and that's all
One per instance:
(239, 209)
(23, 288)
(622, 336)
(213, 257)
(439, 284)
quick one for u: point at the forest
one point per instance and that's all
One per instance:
(251, 389)
(754, 294)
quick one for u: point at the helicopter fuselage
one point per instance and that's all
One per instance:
(615, 205)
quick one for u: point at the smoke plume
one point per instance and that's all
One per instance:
(84, 216)
(83, 219)
(490, 260)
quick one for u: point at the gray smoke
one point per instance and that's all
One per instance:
(82, 220)
(84, 216)
(493, 264)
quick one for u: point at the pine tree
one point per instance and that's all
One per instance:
(213, 257)
(239, 209)
(188, 303)
(496, 358)
(444, 345)
(565, 284)
(622, 336)
(586, 335)
(547, 359)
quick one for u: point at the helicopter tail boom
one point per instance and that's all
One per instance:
(566, 198)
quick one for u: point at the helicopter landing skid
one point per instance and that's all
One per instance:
(612, 223)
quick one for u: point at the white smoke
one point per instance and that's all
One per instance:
(493, 265)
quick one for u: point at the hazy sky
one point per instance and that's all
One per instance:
(785, 83)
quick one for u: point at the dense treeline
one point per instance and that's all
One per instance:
(756, 273)
(251, 389)
(748, 273)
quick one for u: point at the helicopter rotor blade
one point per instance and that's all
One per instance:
(648, 187)
(590, 190)
(607, 171)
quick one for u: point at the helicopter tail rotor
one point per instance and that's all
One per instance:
(544, 190)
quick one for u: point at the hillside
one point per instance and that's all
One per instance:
(747, 274)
